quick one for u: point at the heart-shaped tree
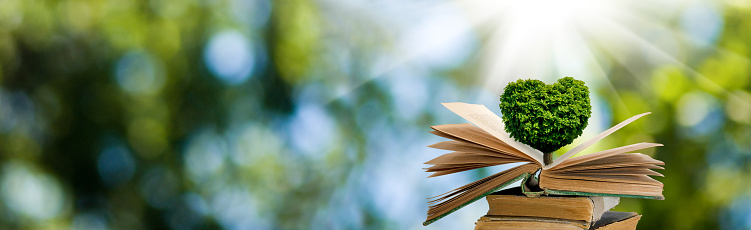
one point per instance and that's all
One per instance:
(546, 117)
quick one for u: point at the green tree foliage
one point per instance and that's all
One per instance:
(546, 117)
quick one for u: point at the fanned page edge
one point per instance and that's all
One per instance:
(604, 154)
(469, 133)
(653, 188)
(467, 111)
(595, 139)
(523, 174)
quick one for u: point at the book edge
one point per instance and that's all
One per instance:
(585, 223)
(461, 109)
(491, 218)
(574, 193)
(593, 140)
(523, 175)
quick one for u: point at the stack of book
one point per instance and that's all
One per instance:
(510, 209)
(571, 192)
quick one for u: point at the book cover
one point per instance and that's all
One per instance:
(512, 202)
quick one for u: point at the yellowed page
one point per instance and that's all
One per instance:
(607, 153)
(482, 117)
(470, 133)
(595, 139)
(468, 158)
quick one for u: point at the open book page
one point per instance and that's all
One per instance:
(622, 161)
(634, 170)
(604, 154)
(612, 172)
(488, 121)
(463, 146)
(447, 203)
(470, 133)
(467, 156)
(470, 158)
(595, 139)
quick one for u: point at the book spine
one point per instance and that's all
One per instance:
(527, 191)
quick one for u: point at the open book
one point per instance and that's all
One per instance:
(614, 172)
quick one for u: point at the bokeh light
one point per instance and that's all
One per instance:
(137, 72)
(89, 221)
(32, 194)
(159, 187)
(205, 156)
(230, 57)
(311, 130)
(702, 22)
(116, 166)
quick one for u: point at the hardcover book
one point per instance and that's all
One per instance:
(610, 221)
(582, 209)
(512, 206)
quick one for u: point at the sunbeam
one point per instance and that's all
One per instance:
(543, 39)
(630, 37)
